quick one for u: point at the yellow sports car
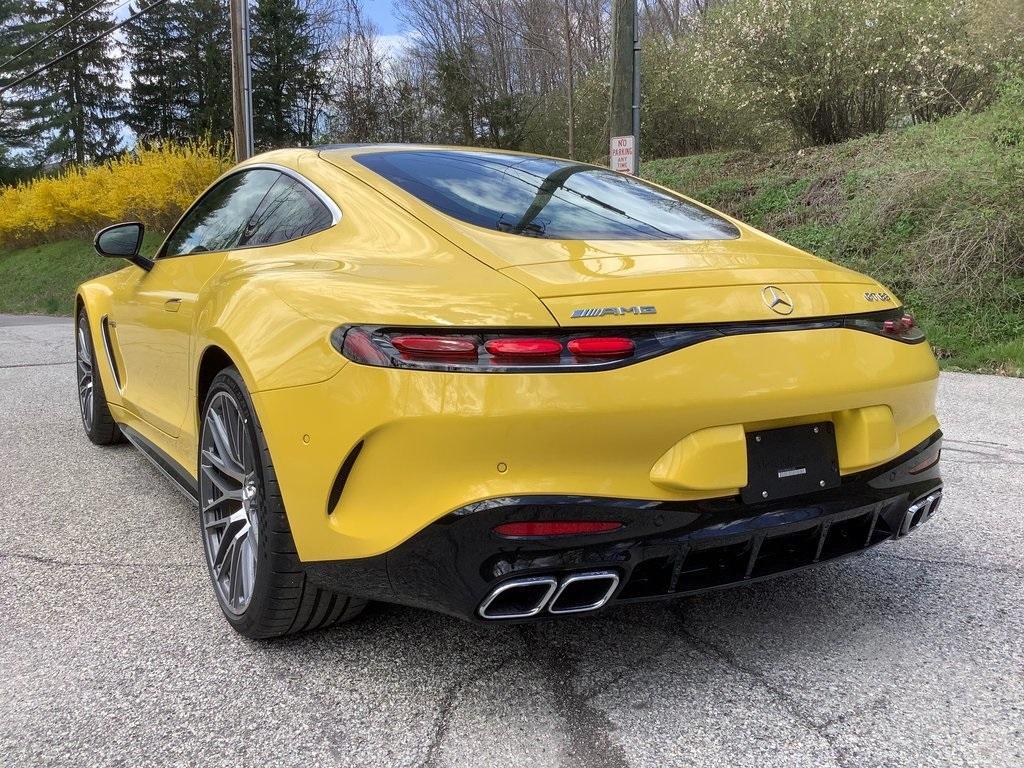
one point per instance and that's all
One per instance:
(501, 386)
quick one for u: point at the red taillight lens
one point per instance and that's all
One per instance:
(602, 346)
(360, 348)
(556, 528)
(899, 326)
(434, 346)
(524, 347)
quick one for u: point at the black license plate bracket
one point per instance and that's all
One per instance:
(790, 461)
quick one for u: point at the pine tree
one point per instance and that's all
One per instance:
(156, 50)
(206, 68)
(281, 48)
(81, 121)
(21, 24)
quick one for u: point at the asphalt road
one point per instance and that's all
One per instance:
(113, 650)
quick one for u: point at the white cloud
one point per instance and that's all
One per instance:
(394, 45)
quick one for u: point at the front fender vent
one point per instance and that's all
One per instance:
(108, 346)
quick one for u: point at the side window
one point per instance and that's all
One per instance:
(218, 220)
(288, 211)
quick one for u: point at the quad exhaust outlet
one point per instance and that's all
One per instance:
(921, 511)
(526, 597)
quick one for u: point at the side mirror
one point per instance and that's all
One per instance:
(123, 241)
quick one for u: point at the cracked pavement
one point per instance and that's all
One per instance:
(113, 650)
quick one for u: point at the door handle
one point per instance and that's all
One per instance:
(172, 305)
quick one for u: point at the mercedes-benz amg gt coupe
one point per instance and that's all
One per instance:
(501, 386)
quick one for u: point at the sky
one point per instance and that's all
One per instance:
(380, 11)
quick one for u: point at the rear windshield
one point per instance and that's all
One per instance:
(542, 197)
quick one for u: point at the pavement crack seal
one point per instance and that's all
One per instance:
(36, 365)
(93, 563)
(779, 694)
(947, 563)
(448, 706)
(587, 727)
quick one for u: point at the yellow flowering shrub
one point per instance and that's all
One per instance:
(152, 184)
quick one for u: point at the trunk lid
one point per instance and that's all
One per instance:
(658, 282)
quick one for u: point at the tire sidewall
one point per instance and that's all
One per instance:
(82, 325)
(230, 381)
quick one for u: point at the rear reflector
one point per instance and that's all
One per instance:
(601, 346)
(556, 528)
(524, 347)
(925, 463)
(439, 346)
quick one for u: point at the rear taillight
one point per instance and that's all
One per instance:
(602, 346)
(357, 346)
(572, 350)
(544, 528)
(434, 346)
(525, 347)
(897, 324)
(509, 351)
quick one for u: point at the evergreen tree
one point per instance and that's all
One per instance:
(156, 50)
(281, 46)
(206, 68)
(81, 121)
(21, 24)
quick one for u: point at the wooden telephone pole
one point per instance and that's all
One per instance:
(624, 117)
(570, 83)
(241, 80)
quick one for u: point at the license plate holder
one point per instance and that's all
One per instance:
(790, 461)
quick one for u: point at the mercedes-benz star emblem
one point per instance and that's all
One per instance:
(777, 300)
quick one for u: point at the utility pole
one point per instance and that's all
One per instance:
(572, 92)
(624, 117)
(241, 79)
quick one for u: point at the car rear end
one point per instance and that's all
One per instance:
(698, 414)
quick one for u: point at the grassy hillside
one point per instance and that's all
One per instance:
(41, 279)
(936, 212)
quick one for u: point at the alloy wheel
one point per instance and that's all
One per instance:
(230, 501)
(85, 372)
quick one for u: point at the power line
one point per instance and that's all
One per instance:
(77, 48)
(59, 29)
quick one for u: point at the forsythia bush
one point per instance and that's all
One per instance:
(151, 184)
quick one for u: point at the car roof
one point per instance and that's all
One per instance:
(336, 152)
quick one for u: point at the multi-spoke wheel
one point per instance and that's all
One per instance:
(260, 584)
(99, 424)
(227, 491)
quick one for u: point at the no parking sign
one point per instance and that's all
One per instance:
(621, 150)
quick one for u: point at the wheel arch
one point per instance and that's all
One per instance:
(214, 360)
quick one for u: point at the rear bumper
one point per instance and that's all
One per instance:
(457, 564)
(372, 456)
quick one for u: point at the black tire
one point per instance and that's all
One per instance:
(282, 600)
(97, 421)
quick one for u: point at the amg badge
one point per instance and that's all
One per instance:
(877, 296)
(604, 311)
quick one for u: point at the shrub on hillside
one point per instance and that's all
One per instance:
(935, 212)
(151, 184)
(834, 71)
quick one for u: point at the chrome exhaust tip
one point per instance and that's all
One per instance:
(518, 598)
(584, 592)
(920, 512)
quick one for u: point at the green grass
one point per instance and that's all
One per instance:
(935, 212)
(41, 279)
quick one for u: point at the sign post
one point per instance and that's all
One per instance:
(622, 153)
